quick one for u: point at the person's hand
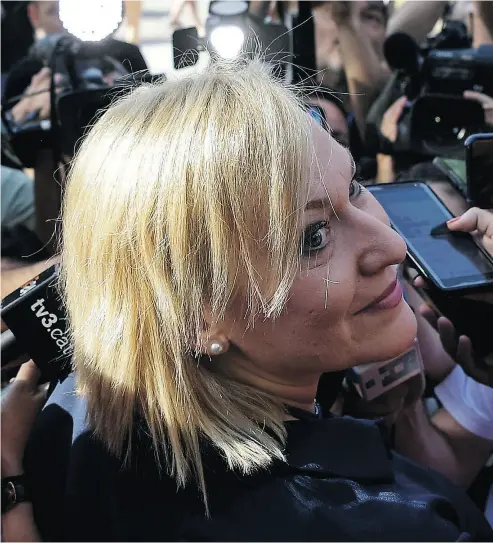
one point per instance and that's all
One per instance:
(39, 104)
(21, 404)
(388, 405)
(475, 221)
(388, 129)
(478, 222)
(486, 101)
(350, 14)
(342, 12)
(390, 120)
(459, 348)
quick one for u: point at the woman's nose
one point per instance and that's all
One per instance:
(380, 247)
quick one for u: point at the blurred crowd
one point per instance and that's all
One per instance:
(434, 434)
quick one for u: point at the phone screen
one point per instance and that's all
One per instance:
(455, 170)
(480, 171)
(457, 166)
(451, 261)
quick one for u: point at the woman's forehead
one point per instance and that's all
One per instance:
(331, 166)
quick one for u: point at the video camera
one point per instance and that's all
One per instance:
(438, 119)
(89, 79)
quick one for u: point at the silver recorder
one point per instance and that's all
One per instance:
(372, 380)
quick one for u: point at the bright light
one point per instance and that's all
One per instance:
(227, 40)
(91, 20)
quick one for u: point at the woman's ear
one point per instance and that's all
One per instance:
(212, 341)
(214, 344)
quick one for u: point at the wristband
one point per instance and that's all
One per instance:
(385, 146)
(13, 492)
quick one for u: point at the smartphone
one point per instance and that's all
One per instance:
(455, 170)
(479, 167)
(453, 262)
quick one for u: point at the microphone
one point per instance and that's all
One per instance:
(402, 53)
(374, 379)
(36, 318)
(44, 49)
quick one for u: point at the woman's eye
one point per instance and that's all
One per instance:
(354, 189)
(315, 238)
(372, 17)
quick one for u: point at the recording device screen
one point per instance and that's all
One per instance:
(455, 170)
(479, 157)
(453, 261)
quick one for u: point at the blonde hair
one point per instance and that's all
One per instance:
(181, 193)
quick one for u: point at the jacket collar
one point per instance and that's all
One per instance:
(340, 447)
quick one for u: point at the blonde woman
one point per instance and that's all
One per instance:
(218, 257)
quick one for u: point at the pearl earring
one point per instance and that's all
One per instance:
(216, 347)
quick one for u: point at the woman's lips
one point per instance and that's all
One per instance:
(390, 299)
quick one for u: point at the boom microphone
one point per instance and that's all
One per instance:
(402, 53)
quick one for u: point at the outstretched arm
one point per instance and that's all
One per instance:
(416, 18)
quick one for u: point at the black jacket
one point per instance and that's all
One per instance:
(342, 483)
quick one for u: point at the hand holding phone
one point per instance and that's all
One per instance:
(479, 166)
(460, 348)
(453, 263)
(475, 220)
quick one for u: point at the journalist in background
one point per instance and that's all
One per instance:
(218, 257)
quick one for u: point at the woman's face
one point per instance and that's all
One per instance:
(332, 319)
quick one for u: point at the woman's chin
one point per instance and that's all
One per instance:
(400, 333)
(393, 337)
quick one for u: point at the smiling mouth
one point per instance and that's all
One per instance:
(390, 298)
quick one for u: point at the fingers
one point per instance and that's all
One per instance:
(40, 77)
(39, 80)
(431, 317)
(28, 374)
(58, 80)
(45, 107)
(40, 396)
(419, 282)
(474, 219)
(388, 126)
(465, 357)
(471, 366)
(395, 110)
(448, 336)
(483, 99)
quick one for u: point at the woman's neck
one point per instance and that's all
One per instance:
(297, 392)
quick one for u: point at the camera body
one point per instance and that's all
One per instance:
(87, 79)
(453, 71)
(438, 119)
